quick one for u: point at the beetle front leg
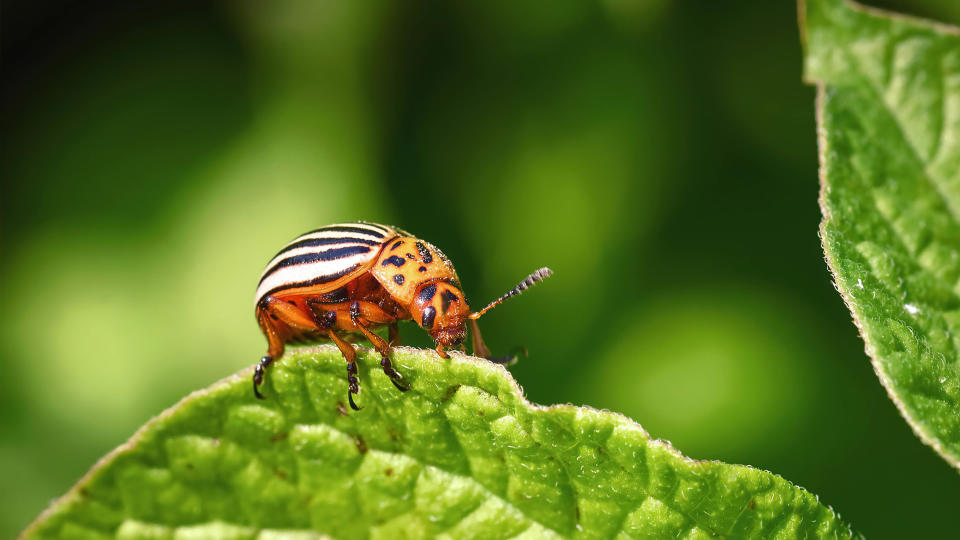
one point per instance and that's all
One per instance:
(382, 347)
(267, 319)
(479, 347)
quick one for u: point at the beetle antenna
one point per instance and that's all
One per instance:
(534, 278)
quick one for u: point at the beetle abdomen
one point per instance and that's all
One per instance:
(323, 256)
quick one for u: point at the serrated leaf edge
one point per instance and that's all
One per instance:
(242, 377)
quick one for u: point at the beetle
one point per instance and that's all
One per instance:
(340, 282)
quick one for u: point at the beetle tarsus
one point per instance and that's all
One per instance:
(510, 359)
(382, 347)
(353, 385)
(393, 375)
(258, 375)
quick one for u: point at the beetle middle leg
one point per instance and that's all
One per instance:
(378, 343)
(479, 347)
(326, 321)
(350, 355)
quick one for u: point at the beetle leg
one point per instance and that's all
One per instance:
(382, 347)
(266, 318)
(258, 375)
(350, 355)
(442, 352)
(394, 335)
(479, 347)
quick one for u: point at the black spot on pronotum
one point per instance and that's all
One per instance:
(428, 315)
(422, 269)
(425, 255)
(446, 297)
(291, 302)
(396, 244)
(274, 317)
(426, 294)
(411, 257)
(394, 260)
(398, 279)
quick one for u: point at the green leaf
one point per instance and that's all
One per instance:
(889, 130)
(462, 453)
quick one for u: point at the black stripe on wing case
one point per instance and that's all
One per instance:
(319, 280)
(314, 242)
(319, 256)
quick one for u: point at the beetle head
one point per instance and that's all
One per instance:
(440, 308)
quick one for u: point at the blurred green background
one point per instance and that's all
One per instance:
(659, 156)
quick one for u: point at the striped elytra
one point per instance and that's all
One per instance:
(341, 282)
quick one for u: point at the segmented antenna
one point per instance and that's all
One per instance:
(534, 278)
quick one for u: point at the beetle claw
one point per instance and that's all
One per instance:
(352, 404)
(403, 387)
(511, 358)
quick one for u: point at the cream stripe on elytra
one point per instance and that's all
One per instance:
(322, 255)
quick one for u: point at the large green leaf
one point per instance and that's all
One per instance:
(889, 126)
(461, 454)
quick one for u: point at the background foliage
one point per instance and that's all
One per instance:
(890, 164)
(660, 157)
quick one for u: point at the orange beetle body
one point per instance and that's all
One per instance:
(342, 281)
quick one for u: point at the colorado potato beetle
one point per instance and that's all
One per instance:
(340, 282)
